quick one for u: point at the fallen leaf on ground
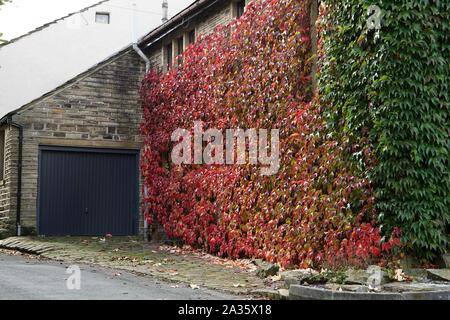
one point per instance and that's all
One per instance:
(374, 289)
(147, 261)
(275, 278)
(399, 275)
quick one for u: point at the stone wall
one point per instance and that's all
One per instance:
(223, 16)
(9, 182)
(205, 23)
(98, 109)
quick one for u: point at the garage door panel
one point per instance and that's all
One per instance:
(87, 192)
(60, 185)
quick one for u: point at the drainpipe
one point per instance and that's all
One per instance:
(147, 67)
(134, 40)
(143, 56)
(19, 175)
(146, 233)
(145, 230)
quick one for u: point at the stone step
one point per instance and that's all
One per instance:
(300, 292)
(25, 245)
(439, 274)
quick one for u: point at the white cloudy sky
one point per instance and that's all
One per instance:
(21, 16)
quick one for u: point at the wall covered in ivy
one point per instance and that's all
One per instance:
(384, 86)
(318, 209)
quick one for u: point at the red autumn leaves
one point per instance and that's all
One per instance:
(255, 73)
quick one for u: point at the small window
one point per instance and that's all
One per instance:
(2, 154)
(169, 55)
(180, 44)
(102, 17)
(240, 8)
(191, 36)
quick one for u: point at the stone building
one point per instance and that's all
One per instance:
(70, 158)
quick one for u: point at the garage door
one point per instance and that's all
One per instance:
(87, 191)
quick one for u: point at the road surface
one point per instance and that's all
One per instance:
(24, 278)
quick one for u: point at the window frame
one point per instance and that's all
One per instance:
(180, 49)
(102, 13)
(240, 8)
(191, 36)
(168, 55)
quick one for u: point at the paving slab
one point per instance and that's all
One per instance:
(439, 274)
(161, 262)
(299, 292)
(25, 278)
(415, 286)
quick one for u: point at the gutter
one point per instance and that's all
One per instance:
(183, 22)
(8, 120)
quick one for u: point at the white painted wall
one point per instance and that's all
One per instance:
(38, 63)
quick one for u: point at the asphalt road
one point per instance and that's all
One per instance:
(25, 278)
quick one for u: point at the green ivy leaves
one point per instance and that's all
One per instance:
(391, 92)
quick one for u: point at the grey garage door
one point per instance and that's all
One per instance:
(85, 191)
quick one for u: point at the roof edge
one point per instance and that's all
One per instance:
(177, 20)
(47, 24)
(73, 80)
